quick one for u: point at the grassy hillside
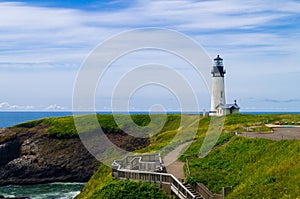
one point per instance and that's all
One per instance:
(269, 167)
(103, 185)
(254, 167)
(64, 127)
(101, 177)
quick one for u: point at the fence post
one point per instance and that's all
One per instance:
(188, 168)
(160, 178)
(226, 191)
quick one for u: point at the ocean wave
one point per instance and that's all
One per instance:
(57, 190)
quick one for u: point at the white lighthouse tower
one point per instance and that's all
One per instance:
(218, 87)
(218, 100)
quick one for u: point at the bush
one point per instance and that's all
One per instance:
(130, 190)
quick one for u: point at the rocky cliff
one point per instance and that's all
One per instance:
(30, 156)
(49, 150)
(9, 147)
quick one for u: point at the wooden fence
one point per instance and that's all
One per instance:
(154, 177)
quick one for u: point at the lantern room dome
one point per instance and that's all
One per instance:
(218, 58)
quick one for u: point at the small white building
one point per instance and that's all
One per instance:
(218, 100)
(226, 109)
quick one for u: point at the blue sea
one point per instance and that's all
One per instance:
(8, 119)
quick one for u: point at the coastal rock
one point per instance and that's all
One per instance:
(9, 147)
(33, 157)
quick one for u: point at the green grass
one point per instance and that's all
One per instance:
(64, 127)
(129, 190)
(60, 127)
(256, 168)
(256, 123)
(101, 178)
(103, 185)
(31, 124)
(164, 136)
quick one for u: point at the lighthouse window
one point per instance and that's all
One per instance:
(221, 94)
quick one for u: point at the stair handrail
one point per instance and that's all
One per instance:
(147, 177)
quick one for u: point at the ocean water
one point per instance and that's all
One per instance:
(43, 191)
(8, 119)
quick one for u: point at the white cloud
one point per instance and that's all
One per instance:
(60, 36)
(14, 107)
(56, 36)
(4, 105)
(8, 106)
(55, 107)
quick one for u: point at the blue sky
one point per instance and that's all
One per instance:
(43, 44)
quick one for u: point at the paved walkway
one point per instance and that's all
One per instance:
(278, 134)
(172, 165)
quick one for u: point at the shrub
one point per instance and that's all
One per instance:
(130, 190)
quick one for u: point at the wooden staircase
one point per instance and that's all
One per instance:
(149, 168)
(188, 186)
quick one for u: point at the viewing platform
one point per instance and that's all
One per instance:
(150, 168)
(143, 162)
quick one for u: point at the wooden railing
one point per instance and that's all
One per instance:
(154, 177)
(149, 168)
(204, 191)
(143, 162)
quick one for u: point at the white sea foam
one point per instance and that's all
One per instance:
(44, 191)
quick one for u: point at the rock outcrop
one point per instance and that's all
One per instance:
(9, 148)
(29, 154)
(32, 157)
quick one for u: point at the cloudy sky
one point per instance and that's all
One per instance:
(44, 43)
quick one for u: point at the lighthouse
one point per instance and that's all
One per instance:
(218, 100)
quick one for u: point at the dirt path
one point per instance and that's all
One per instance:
(278, 134)
(172, 165)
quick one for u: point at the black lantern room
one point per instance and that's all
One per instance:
(218, 69)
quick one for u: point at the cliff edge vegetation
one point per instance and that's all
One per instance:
(255, 168)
